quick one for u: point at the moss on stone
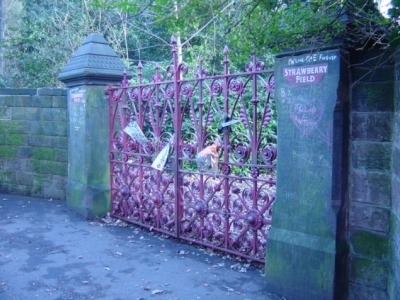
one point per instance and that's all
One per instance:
(17, 139)
(369, 272)
(6, 151)
(43, 153)
(370, 244)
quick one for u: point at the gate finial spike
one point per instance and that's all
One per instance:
(140, 66)
(226, 50)
(173, 40)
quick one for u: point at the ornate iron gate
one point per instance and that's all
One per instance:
(195, 158)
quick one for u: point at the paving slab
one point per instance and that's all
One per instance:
(49, 252)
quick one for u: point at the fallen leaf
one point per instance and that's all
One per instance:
(156, 292)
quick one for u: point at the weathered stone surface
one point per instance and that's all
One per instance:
(372, 126)
(59, 101)
(95, 62)
(372, 156)
(18, 101)
(24, 178)
(33, 141)
(371, 187)
(52, 92)
(396, 195)
(370, 244)
(369, 216)
(366, 74)
(394, 279)
(368, 272)
(303, 212)
(371, 97)
(396, 161)
(25, 113)
(88, 187)
(361, 292)
(42, 101)
(10, 91)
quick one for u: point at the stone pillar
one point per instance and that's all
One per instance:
(89, 72)
(302, 243)
(394, 276)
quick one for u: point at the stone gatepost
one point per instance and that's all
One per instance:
(91, 69)
(302, 246)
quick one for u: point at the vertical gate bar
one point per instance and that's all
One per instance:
(158, 135)
(177, 124)
(124, 86)
(110, 145)
(200, 104)
(226, 144)
(140, 121)
(254, 148)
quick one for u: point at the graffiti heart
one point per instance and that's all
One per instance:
(306, 114)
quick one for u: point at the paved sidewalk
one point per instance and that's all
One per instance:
(49, 252)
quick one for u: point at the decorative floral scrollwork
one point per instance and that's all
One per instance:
(115, 97)
(238, 206)
(146, 94)
(254, 219)
(218, 238)
(125, 192)
(235, 190)
(133, 145)
(217, 220)
(238, 225)
(268, 153)
(118, 144)
(148, 148)
(241, 152)
(201, 72)
(183, 68)
(168, 93)
(157, 78)
(270, 87)
(134, 95)
(255, 172)
(236, 86)
(189, 150)
(217, 202)
(208, 231)
(226, 170)
(111, 156)
(216, 88)
(187, 90)
(258, 67)
(170, 71)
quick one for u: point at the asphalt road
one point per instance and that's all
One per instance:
(49, 252)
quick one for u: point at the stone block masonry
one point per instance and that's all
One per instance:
(33, 142)
(370, 176)
(394, 278)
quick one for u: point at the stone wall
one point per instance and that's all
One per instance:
(394, 279)
(370, 178)
(33, 142)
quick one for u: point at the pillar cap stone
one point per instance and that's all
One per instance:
(93, 63)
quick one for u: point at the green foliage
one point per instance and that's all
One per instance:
(38, 43)
(40, 36)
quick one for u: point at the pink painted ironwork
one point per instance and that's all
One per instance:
(218, 184)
